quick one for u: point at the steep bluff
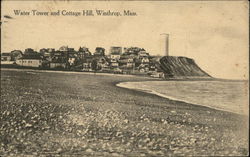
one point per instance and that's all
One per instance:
(174, 66)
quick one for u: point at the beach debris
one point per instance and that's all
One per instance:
(126, 121)
(89, 150)
(173, 111)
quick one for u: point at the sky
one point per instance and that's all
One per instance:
(214, 33)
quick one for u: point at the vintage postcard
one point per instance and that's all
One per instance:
(124, 78)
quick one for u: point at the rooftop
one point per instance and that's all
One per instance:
(31, 57)
(5, 54)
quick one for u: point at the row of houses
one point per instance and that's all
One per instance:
(118, 60)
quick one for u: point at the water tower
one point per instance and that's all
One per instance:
(166, 44)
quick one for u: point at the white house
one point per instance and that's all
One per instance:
(143, 54)
(115, 52)
(115, 56)
(114, 63)
(145, 60)
(5, 57)
(30, 61)
(57, 65)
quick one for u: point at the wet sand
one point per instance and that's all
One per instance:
(46, 113)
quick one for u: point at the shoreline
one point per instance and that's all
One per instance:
(121, 84)
(126, 75)
(76, 72)
(153, 92)
(132, 90)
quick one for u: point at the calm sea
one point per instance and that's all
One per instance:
(225, 95)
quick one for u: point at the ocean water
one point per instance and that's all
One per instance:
(225, 95)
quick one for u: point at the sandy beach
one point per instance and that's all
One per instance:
(59, 113)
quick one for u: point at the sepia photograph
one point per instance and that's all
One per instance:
(124, 78)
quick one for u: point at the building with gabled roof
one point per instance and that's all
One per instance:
(30, 61)
(16, 54)
(99, 51)
(5, 57)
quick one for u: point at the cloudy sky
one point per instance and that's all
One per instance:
(215, 34)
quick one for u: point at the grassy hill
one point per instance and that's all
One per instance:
(174, 66)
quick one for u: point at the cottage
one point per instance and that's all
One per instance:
(58, 60)
(84, 52)
(58, 65)
(143, 53)
(115, 53)
(144, 60)
(115, 56)
(29, 51)
(143, 68)
(116, 50)
(101, 62)
(43, 51)
(65, 49)
(127, 62)
(51, 50)
(132, 50)
(59, 57)
(86, 66)
(114, 63)
(87, 63)
(30, 61)
(99, 51)
(16, 54)
(71, 60)
(5, 57)
(130, 64)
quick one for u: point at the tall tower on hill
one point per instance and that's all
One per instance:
(166, 47)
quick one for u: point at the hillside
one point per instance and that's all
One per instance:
(174, 66)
